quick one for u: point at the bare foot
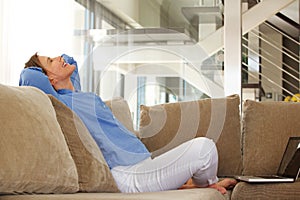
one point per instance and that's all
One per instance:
(221, 186)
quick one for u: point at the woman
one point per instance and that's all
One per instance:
(191, 165)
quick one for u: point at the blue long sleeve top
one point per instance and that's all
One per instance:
(119, 146)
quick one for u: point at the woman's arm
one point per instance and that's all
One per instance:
(34, 76)
(75, 76)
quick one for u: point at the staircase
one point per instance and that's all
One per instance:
(250, 19)
(270, 68)
(270, 55)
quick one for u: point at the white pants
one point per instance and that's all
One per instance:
(197, 159)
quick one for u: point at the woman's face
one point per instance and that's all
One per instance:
(56, 67)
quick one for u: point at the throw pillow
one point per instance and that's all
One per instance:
(34, 155)
(165, 126)
(121, 111)
(93, 172)
(267, 127)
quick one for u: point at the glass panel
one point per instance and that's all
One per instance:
(148, 53)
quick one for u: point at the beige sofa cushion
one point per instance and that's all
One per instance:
(190, 194)
(34, 155)
(93, 172)
(270, 191)
(267, 127)
(162, 127)
(121, 111)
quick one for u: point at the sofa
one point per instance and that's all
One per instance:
(47, 152)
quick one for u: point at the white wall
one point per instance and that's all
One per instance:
(43, 26)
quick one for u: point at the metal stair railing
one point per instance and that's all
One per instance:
(273, 64)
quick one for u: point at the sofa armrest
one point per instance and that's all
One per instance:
(270, 191)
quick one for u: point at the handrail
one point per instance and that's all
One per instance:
(286, 81)
(253, 51)
(273, 45)
(288, 20)
(269, 54)
(282, 33)
(270, 81)
(271, 63)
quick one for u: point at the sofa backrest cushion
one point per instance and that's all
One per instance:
(34, 155)
(121, 111)
(267, 127)
(93, 172)
(162, 127)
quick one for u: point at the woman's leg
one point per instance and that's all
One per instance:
(196, 158)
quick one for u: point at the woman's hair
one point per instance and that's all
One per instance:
(34, 62)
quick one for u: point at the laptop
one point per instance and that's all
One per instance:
(288, 170)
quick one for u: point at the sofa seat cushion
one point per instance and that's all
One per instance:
(190, 194)
(268, 191)
(34, 155)
(267, 127)
(165, 126)
(93, 172)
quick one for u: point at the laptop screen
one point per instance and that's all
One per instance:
(291, 148)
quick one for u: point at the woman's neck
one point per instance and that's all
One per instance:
(64, 85)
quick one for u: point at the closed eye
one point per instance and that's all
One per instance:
(49, 60)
